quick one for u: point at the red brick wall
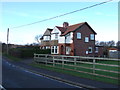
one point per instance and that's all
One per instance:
(62, 48)
(80, 46)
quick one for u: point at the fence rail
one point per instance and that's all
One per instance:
(89, 65)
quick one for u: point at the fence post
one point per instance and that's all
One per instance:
(46, 56)
(34, 57)
(75, 63)
(53, 61)
(94, 66)
(62, 62)
(46, 59)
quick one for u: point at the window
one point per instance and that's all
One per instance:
(54, 50)
(78, 35)
(90, 49)
(91, 36)
(46, 37)
(96, 49)
(86, 52)
(47, 47)
(86, 39)
(56, 36)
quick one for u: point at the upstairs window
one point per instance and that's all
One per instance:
(78, 35)
(56, 36)
(46, 37)
(92, 37)
(86, 39)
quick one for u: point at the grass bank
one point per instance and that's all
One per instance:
(12, 57)
(58, 68)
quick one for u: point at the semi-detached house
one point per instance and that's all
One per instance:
(74, 40)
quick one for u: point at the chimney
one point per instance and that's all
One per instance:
(65, 24)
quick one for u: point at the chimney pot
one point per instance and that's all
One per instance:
(65, 24)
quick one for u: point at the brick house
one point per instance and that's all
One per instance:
(75, 40)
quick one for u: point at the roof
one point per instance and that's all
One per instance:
(47, 32)
(112, 49)
(72, 28)
(62, 29)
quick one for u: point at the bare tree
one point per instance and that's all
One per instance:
(37, 38)
(111, 43)
(103, 43)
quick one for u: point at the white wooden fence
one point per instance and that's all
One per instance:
(77, 63)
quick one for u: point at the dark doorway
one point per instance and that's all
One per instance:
(62, 48)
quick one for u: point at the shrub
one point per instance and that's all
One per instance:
(27, 52)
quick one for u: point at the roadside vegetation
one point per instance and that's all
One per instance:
(26, 52)
(17, 54)
(59, 68)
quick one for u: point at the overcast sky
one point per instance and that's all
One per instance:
(103, 19)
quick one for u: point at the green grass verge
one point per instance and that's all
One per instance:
(58, 68)
(12, 57)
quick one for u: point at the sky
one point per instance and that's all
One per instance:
(103, 19)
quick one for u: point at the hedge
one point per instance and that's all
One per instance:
(27, 52)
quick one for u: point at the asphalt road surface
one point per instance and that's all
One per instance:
(14, 77)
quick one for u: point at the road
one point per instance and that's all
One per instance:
(14, 77)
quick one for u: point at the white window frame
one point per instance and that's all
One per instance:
(53, 50)
(78, 35)
(96, 49)
(90, 48)
(92, 37)
(86, 39)
(56, 36)
(46, 38)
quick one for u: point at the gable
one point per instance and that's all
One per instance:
(87, 26)
(55, 30)
(75, 27)
(47, 32)
(90, 28)
(72, 28)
